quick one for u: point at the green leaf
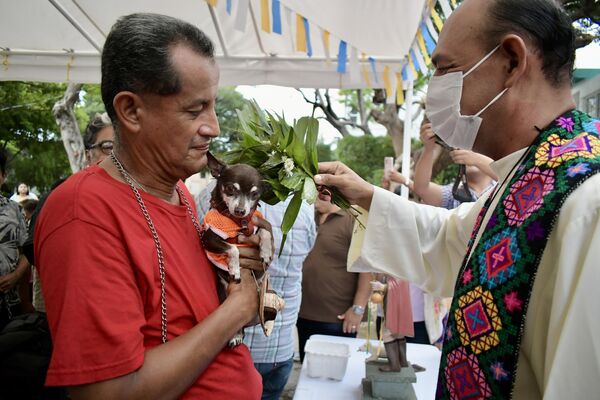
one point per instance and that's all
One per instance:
(293, 182)
(291, 213)
(309, 191)
(312, 133)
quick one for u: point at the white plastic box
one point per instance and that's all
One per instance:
(326, 359)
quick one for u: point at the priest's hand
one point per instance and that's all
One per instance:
(353, 187)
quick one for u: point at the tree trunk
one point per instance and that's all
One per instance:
(69, 129)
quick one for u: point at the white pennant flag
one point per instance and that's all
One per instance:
(242, 15)
(431, 29)
(419, 58)
(291, 31)
(445, 7)
(354, 66)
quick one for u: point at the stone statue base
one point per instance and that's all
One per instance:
(388, 385)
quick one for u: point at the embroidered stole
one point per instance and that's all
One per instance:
(492, 292)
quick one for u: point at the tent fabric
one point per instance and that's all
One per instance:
(37, 41)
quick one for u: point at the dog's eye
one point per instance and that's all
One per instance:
(229, 189)
(254, 195)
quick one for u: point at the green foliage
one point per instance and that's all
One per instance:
(28, 129)
(349, 98)
(324, 152)
(229, 101)
(286, 156)
(447, 175)
(89, 105)
(365, 154)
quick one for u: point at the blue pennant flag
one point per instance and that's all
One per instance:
(228, 7)
(342, 57)
(414, 60)
(276, 11)
(307, 32)
(373, 68)
(405, 73)
(429, 42)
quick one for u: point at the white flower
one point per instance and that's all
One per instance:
(288, 166)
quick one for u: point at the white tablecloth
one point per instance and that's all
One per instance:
(350, 387)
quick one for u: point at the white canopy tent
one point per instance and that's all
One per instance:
(61, 40)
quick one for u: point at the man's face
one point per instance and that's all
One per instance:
(462, 45)
(102, 147)
(176, 129)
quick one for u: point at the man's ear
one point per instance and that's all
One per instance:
(515, 49)
(126, 105)
(216, 167)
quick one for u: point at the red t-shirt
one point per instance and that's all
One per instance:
(100, 279)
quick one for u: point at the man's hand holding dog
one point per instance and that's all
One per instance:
(250, 257)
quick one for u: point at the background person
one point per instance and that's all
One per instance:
(23, 193)
(13, 265)
(98, 138)
(333, 299)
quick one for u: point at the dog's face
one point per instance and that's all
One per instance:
(239, 186)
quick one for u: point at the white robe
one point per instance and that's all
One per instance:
(560, 352)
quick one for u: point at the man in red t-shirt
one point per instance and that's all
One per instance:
(130, 295)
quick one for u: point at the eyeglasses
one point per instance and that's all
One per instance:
(460, 189)
(105, 146)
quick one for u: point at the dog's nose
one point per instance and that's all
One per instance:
(239, 212)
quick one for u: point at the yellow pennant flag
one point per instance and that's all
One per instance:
(365, 70)
(454, 3)
(421, 43)
(387, 82)
(212, 3)
(265, 19)
(326, 40)
(300, 34)
(399, 90)
(436, 19)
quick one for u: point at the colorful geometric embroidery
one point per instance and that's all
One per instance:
(556, 150)
(477, 320)
(512, 302)
(497, 264)
(592, 126)
(499, 372)
(464, 378)
(485, 324)
(581, 168)
(527, 195)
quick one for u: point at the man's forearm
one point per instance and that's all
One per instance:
(22, 267)
(363, 289)
(170, 369)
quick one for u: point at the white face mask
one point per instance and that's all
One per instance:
(443, 108)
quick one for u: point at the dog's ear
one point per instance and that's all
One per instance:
(265, 187)
(216, 167)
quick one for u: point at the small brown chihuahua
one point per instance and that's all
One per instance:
(233, 204)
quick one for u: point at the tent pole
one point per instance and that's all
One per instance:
(407, 139)
(75, 24)
(213, 15)
(89, 18)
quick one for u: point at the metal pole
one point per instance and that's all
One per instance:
(75, 24)
(213, 15)
(406, 143)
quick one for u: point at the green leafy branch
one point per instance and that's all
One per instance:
(286, 157)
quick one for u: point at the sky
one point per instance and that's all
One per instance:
(287, 100)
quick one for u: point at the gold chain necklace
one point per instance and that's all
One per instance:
(161, 261)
